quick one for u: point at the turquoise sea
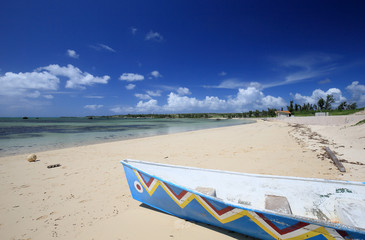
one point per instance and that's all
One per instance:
(18, 136)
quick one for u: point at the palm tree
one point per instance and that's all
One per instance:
(320, 103)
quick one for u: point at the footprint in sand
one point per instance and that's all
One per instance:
(182, 224)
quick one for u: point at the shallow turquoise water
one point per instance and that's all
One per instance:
(32, 135)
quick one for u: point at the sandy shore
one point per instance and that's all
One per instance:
(88, 196)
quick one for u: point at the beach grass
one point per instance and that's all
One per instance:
(360, 122)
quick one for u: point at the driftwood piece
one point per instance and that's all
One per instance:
(335, 160)
(54, 165)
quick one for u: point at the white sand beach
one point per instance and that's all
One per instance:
(87, 197)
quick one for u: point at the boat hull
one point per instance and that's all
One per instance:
(192, 205)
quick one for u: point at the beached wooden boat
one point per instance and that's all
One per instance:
(262, 206)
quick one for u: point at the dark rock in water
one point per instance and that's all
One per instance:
(25, 117)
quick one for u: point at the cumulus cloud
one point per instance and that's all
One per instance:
(148, 106)
(72, 53)
(245, 99)
(357, 93)
(178, 103)
(253, 98)
(130, 86)
(32, 84)
(156, 74)
(76, 78)
(20, 93)
(28, 83)
(93, 107)
(131, 77)
(154, 36)
(317, 94)
(183, 91)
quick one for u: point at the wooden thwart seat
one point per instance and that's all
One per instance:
(278, 204)
(207, 191)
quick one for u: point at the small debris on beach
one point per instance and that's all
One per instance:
(54, 165)
(32, 157)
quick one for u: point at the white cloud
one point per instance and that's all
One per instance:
(134, 30)
(156, 74)
(142, 96)
(235, 83)
(76, 78)
(48, 96)
(154, 93)
(231, 84)
(28, 83)
(116, 110)
(178, 103)
(97, 97)
(245, 99)
(155, 36)
(131, 77)
(93, 107)
(34, 94)
(183, 91)
(222, 73)
(149, 106)
(324, 81)
(308, 61)
(72, 53)
(317, 94)
(130, 86)
(101, 47)
(305, 67)
(253, 98)
(357, 93)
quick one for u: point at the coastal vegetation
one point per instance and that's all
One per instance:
(323, 105)
(360, 122)
(307, 109)
(250, 114)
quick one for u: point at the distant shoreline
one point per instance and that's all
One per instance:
(56, 133)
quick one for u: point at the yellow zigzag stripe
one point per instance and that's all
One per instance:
(318, 231)
(313, 233)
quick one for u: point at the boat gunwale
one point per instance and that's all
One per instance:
(337, 226)
(249, 174)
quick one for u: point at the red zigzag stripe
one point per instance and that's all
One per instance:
(229, 208)
(285, 230)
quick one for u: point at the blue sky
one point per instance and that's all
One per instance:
(77, 58)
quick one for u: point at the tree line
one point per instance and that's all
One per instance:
(322, 105)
